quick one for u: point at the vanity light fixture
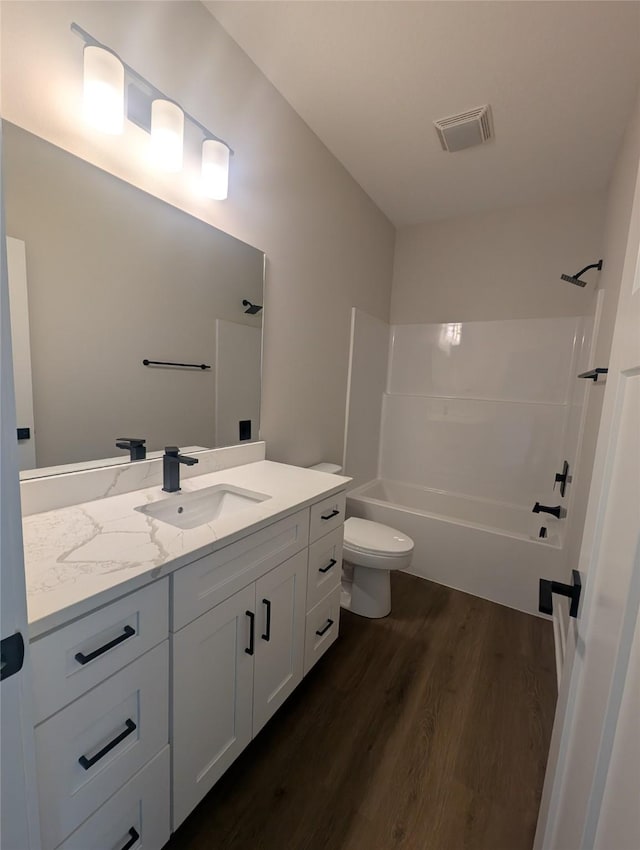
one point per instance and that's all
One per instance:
(114, 91)
(167, 133)
(215, 169)
(103, 94)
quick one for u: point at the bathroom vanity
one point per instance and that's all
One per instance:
(159, 651)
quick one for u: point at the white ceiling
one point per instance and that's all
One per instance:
(369, 78)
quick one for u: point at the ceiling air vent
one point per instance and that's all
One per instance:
(465, 130)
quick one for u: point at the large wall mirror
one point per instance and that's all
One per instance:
(102, 277)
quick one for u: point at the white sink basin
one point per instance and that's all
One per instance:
(189, 510)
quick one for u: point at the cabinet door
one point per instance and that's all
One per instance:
(212, 697)
(280, 625)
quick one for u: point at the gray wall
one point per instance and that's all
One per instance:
(328, 246)
(116, 276)
(505, 264)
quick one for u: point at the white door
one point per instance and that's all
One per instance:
(591, 793)
(21, 346)
(19, 829)
(212, 697)
(280, 620)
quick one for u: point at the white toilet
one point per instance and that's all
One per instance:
(371, 550)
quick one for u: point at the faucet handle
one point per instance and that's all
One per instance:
(172, 451)
(134, 445)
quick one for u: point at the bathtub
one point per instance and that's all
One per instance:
(479, 546)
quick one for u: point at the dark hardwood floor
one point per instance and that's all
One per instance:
(427, 730)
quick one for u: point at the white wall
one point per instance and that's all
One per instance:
(328, 247)
(499, 265)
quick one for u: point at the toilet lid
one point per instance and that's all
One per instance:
(365, 536)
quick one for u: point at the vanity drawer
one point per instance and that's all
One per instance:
(214, 578)
(85, 753)
(140, 807)
(327, 515)
(325, 566)
(322, 627)
(77, 657)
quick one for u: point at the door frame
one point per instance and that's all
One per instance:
(20, 824)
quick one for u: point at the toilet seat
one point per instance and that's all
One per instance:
(373, 538)
(376, 546)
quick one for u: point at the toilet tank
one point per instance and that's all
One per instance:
(331, 468)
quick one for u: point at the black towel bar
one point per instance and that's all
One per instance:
(202, 366)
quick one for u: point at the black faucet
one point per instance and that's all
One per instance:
(545, 509)
(171, 461)
(134, 445)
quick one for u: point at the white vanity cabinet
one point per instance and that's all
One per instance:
(326, 534)
(235, 664)
(144, 703)
(101, 687)
(279, 640)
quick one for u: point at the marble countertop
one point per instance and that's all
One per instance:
(81, 557)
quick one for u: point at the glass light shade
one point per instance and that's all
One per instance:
(215, 169)
(103, 90)
(167, 133)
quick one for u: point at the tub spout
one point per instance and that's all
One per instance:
(558, 511)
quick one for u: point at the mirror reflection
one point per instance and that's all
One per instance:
(104, 277)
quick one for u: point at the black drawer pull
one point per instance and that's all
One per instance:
(126, 634)
(326, 569)
(87, 763)
(267, 629)
(252, 632)
(333, 513)
(133, 832)
(321, 632)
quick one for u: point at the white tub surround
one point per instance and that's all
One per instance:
(490, 515)
(477, 419)
(85, 555)
(478, 546)
(484, 409)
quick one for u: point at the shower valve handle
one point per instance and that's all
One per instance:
(562, 478)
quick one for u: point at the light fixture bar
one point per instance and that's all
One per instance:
(133, 78)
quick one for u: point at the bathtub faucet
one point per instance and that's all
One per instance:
(558, 511)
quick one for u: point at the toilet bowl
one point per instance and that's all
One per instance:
(371, 550)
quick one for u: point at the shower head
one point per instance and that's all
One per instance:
(575, 278)
(252, 309)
